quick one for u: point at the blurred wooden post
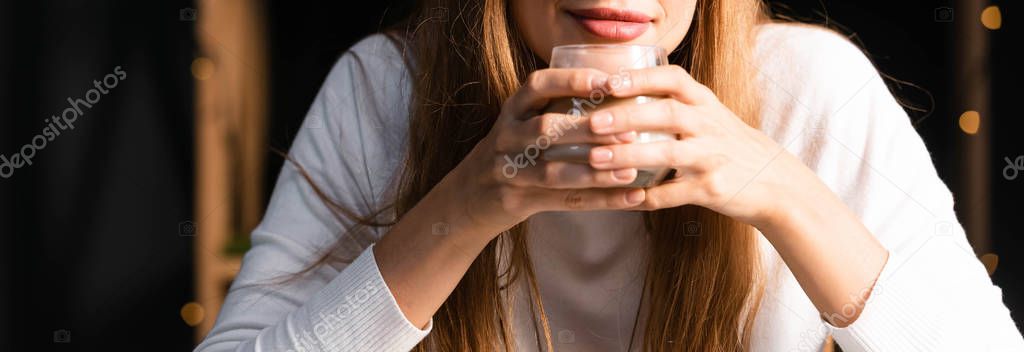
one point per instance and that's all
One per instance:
(231, 109)
(971, 91)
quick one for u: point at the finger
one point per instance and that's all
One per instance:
(553, 128)
(543, 85)
(588, 199)
(670, 80)
(665, 115)
(677, 154)
(564, 175)
(677, 192)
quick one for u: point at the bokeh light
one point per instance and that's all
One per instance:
(202, 68)
(970, 121)
(192, 313)
(992, 18)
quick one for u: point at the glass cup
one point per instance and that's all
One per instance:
(614, 59)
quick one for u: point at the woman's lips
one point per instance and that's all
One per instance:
(613, 24)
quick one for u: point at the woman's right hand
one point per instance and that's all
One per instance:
(504, 179)
(483, 195)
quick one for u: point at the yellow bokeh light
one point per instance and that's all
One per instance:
(991, 261)
(970, 121)
(192, 313)
(992, 18)
(202, 68)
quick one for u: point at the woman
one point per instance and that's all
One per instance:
(804, 204)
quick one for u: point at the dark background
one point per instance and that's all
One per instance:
(89, 234)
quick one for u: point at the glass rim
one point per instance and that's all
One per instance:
(608, 46)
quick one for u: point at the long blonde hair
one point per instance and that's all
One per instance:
(706, 289)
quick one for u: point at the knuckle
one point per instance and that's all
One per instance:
(714, 162)
(502, 141)
(713, 185)
(535, 79)
(674, 110)
(579, 81)
(653, 201)
(545, 123)
(506, 109)
(703, 93)
(709, 128)
(705, 90)
(531, 78)
(639, 78)
(679, 73)
(550, 175)
(511, 199)
(674, 156)
(498, 172)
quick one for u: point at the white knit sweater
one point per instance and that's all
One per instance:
(823, 101)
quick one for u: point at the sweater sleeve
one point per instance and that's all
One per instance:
(933, 294)
(342, 147)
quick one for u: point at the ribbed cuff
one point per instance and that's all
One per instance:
(356, 312)
(891, 319)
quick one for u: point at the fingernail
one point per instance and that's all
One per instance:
(626, 136)
(598, 82)
(600, 155)
(624, 175)
(635, 196)
(601, 122)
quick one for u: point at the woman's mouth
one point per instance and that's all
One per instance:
(615, 24)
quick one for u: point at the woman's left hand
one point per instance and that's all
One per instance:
(726, 165)
(721, 162)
